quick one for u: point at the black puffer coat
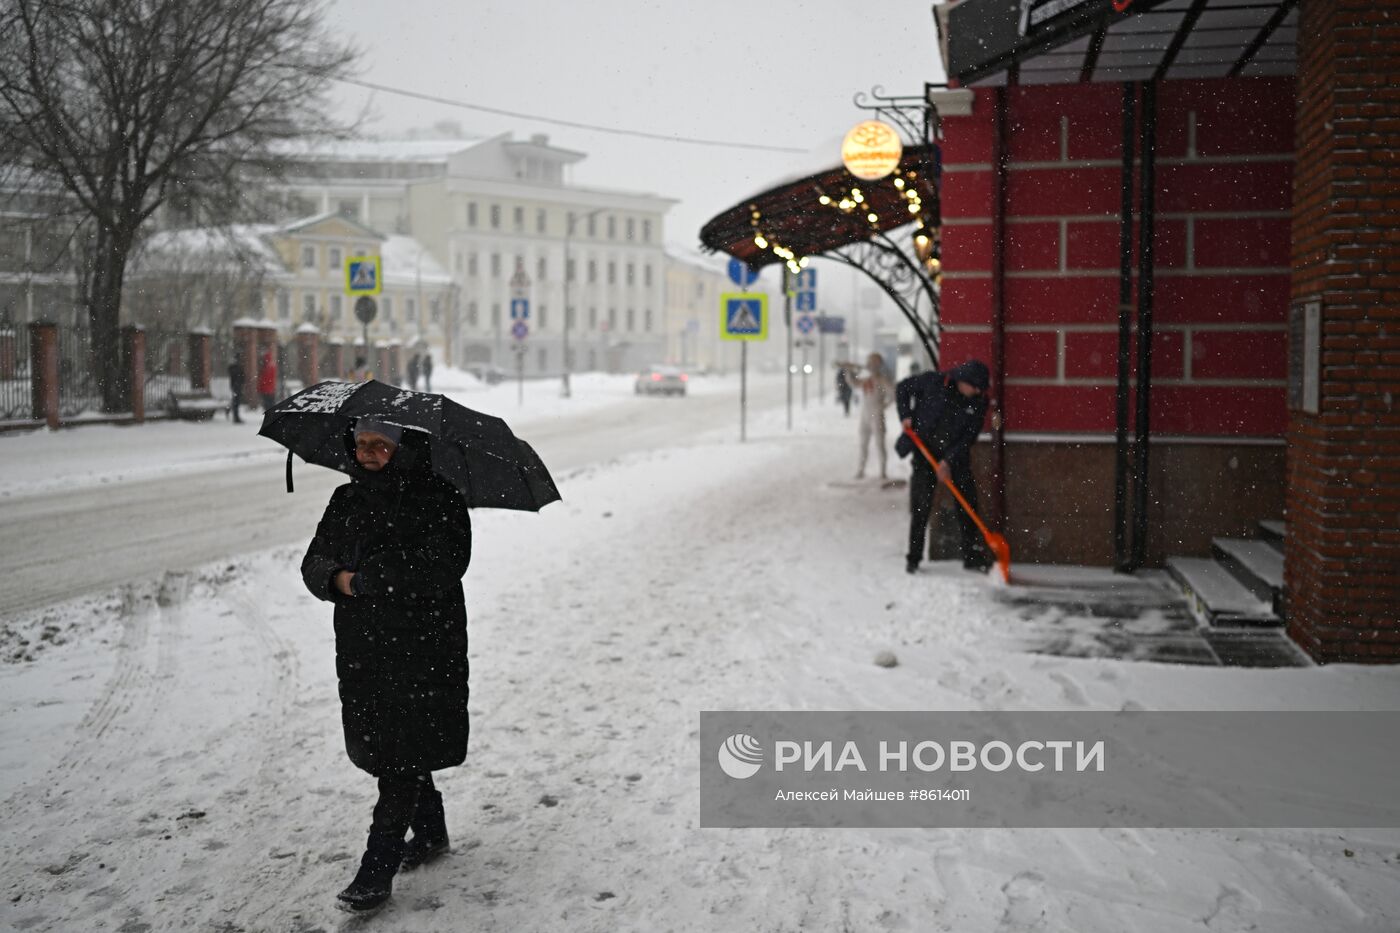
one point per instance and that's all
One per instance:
(401, 646)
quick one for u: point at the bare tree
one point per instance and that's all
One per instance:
(125, 104)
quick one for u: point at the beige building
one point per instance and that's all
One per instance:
(692, 319)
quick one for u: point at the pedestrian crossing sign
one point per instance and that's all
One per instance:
(362, 276)
(743, 316)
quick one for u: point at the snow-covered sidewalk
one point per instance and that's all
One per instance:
(177, 764)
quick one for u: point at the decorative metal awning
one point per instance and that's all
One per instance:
(991, 42)
(837, 216)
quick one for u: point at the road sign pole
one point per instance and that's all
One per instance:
(788, 286)
(804, 375)
(821, 361)
(743, 390)
(520, 375)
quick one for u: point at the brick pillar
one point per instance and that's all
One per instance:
(333, 360)
(245, 347)
(201, 359)
(308, 354)
(174, 357)
(1342, 554)
(395, 363)
(8, 363)
(43, 371)
(133, 350)
(382, 365)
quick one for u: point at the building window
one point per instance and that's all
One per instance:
(592, 318)
(646, 231)
(612, 319)
(457, 259)
(631, 274)
(495, 265)
(308, 307)
(335, 258)
(541, 315)
(519, 216)
(387, 306)
(436, 305)
(631, 320)
(335, 307)
(592, 271)
(308, 257)
(541, 269)
(471, 314)
(349, 209)
(284, 305)
(569, 270)
(646, 275)
(631, 229)
(612, 273)
(410, 309)
(592, 224)
(540, 218)
(612, 227)
(471, 263)
(646, 321)
(699, 290)
(495, 216)
(471, 213)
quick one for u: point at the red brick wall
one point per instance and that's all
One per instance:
(1342, 566)
(1224, 163)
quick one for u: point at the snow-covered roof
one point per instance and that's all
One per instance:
(238, 248)
(404, 260)
(380, 150)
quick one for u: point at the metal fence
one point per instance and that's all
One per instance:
(16, 394)
(78, 391)
(166, 371)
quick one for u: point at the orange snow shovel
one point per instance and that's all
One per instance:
(995, 542)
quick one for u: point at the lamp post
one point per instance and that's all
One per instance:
(568, 308)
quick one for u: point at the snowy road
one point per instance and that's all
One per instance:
(172, 759)
(64, 543)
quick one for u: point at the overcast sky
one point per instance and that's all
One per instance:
(779, 74)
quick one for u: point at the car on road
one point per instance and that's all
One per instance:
(487, 373)
(661, 380)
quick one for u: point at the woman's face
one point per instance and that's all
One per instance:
(373, 451)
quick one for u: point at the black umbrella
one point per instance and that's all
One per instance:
(477, 453)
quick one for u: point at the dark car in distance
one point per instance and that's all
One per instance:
(661, 380)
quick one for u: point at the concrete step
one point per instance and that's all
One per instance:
(1217, 597)
(1271, 529)
(1257, 564)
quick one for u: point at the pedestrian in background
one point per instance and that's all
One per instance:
(267, 379)
(427, 369)
(237, 375)
(843, 389)
(359, 372)
(389, 553)
(876, 394)
(413, 373)
(946, 412)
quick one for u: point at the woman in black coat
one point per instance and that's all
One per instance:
(390, 552)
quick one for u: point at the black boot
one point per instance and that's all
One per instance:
(429, 831)
(375, 880)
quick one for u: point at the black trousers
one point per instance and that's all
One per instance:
(922, 486)
(398, 800)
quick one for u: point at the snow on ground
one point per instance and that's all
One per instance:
(177, 765)
(43, 461)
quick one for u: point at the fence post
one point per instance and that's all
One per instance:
(335, 359)
(8, 362)
(382, 365)
(245, 348)
(43, 371)
(201, 359)
(308, 342)
(134, 351)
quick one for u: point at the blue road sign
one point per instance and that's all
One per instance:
(519, 309)
(807, 280)
(740, 273)
(520, 330)
(743, 316)
(806, 323)
(831, 325)
(806, 301)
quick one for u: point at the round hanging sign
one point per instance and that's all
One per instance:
(871, 150)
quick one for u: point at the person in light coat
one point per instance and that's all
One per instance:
(876, 395)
